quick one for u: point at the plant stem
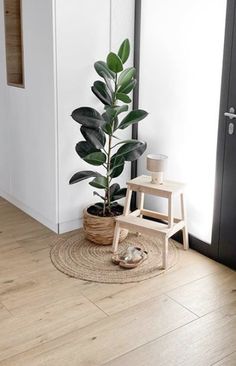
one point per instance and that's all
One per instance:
(107, 201)
(108, 178)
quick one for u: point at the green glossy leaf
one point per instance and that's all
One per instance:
(127, 88)
(116, 192)
(126, 76)
(124, 50)
(114, 188)
(131, 141)
(108, 84)
(121, 193)
(96, 136)
(114, 62)
(121, 109)
(113, 112)
(88, 117)
(102, 92)
(102, 69)
(115, 124)
(84, 148)
(132, 151)
(99, 182)
(117, 171)
(98, 205)
(133, 117)
(95, 158)
(85, 174)
(110, 116)
(117, 165)
(107, 128)
(123, 97)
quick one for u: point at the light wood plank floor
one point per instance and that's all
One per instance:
(186, 316)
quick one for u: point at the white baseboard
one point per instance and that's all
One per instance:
(64, 227)
(31, 212)
(60, 228)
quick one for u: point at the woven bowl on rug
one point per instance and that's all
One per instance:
(77, 257)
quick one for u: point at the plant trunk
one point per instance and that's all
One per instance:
(107, 202)
(108, 196)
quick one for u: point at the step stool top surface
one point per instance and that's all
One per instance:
(167, 186)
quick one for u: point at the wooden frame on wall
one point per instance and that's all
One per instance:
(14, 43)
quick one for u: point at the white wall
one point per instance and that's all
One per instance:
(84, 33)
(27, 119)
(122, 27)
(181, 63)
(37, 134)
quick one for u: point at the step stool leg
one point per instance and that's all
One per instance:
(184, 218)
(170, 211)
(140, 206)
(116, 238)
(127, 201)
(165, 253)
(185, 238)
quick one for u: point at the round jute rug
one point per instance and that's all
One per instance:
(77, 257)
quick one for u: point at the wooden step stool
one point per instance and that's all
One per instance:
(134, 220)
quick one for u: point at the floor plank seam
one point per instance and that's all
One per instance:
(217, 309)
(51, 340)
(222, 359)
(149, 342)
(200, 278)
(5, 307)
(185, 307)
(58, 331)
(151, 297)
(120, 291)
(97, 306)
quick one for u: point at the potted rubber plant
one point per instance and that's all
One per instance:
(102, 146)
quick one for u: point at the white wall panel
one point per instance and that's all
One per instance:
(27, 119)
(122, 27)
(85, 32)
(62, 40)
(82, 34)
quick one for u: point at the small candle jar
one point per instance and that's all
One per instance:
(156, 165)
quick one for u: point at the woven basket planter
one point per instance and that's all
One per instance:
(100, 230)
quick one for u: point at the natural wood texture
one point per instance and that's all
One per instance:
(100, 230)
(161, 190)
(183, 217)
(227, 361)
(116, 237)
(170, 211)
(158, 215)
(118, 229)
(127, 201)
(4, 313)
(14, 44)
(50, 319)
(134, 221)
(203, 295)
(96, 344)
(202, 342)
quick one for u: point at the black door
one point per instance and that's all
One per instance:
(226, 163)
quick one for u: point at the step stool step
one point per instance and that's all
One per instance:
(142, 225)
